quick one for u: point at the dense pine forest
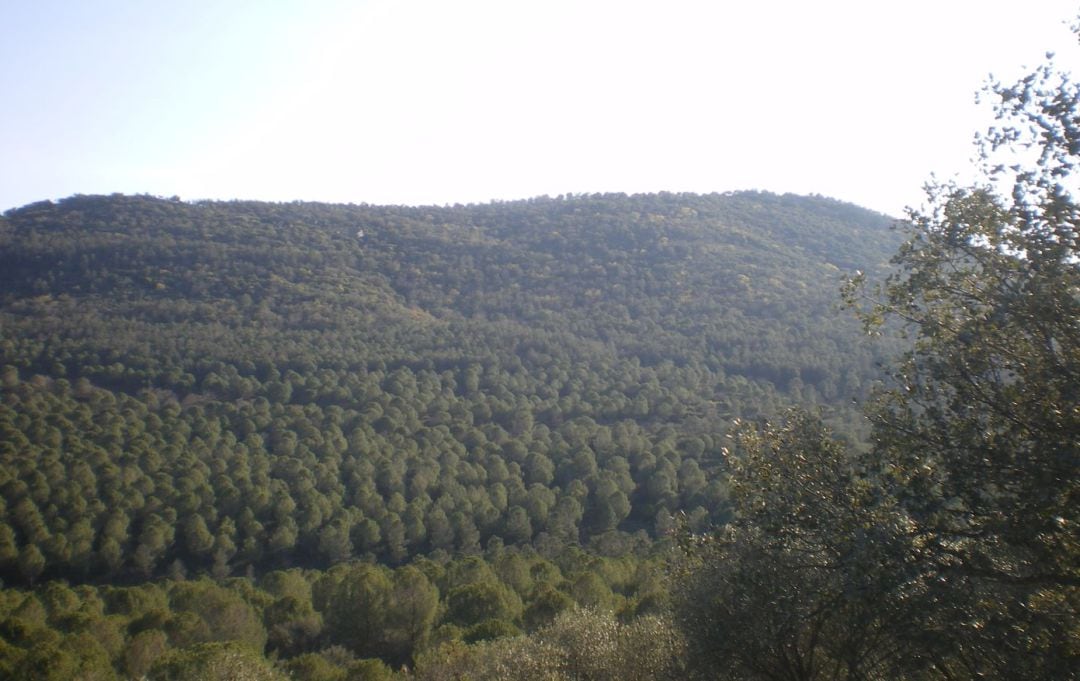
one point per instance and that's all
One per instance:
(591, 437)
(218, 387)
(235, 391)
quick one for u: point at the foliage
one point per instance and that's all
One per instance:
(214, 662)
(354, 621)
(950, 549)
(224, 387)
(802, 583)
(580, 645)
(978, 434)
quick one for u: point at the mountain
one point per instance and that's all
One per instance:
(222, 385)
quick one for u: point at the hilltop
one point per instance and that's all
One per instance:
(402, 379)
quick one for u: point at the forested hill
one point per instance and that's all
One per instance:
(234, 384)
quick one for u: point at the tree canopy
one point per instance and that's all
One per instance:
(225, 387)
(979, 436)
(949, 547)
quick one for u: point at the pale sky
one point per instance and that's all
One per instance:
(466, 101)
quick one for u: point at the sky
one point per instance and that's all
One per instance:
(438, 102)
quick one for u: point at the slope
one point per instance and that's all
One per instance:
(232, 384)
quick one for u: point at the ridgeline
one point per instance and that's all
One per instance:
(233, 385)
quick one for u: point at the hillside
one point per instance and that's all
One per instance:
(237, 385)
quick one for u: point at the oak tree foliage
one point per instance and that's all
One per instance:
(978, 432)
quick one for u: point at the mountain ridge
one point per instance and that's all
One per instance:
(406, 380)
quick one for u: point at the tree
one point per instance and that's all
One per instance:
(223, 614)
(414, 602)
(482, 600)
(595, 646)
(585, 645)
(355, 601)
(802, 583)
(518, 529)
(214, 662)
(142, 651)
(979, 433)
(31, 562)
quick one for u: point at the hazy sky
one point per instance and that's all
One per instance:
(428, 101)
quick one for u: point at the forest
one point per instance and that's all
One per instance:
(213, 387)
(605, 436)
